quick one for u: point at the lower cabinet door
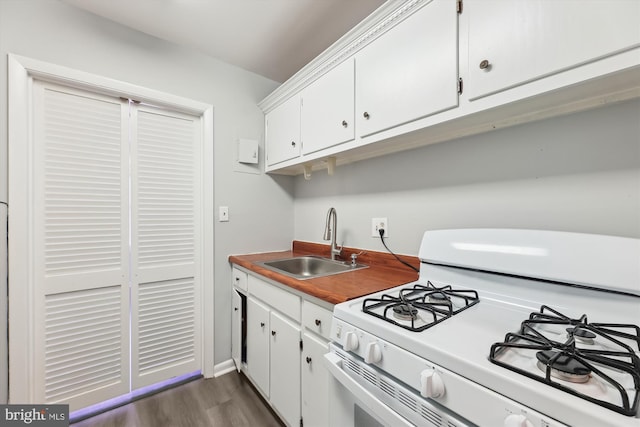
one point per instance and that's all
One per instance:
(236, 329)
(285, 368)
(258, 344)
(315, 382)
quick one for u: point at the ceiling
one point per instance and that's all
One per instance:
(273, 38)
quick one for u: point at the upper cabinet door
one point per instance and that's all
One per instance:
(410, 72)
(328, 108)
(518, 41)
(283, 131)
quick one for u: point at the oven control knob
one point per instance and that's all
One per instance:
(431, 384)
(517, 420)
(373, 354)
(350, 341)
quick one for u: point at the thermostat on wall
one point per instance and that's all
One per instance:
(248, 151)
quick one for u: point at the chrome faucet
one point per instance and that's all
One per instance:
(330, 231)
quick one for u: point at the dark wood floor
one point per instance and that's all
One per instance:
(229, 400)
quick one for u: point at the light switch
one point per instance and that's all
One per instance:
(248, 151)
(223, 213)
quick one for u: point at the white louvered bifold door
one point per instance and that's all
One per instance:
(165, 287)
(80, 235)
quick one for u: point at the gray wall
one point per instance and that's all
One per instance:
(578, 173)
(261, 207)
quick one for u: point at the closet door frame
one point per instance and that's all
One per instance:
(22, 312)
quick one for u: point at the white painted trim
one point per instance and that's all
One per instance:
(20, 260)
(22, 71)
(207, 250)
(224, 368)
(81, 79)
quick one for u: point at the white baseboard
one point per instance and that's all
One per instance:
(223, 368)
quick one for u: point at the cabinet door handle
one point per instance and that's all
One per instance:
(273, 333)
(318, 322)
(293, 143)
(485, 65)
(344, 124)
(237, 279)
(262, 324)
(366, 115)
(235, 308)
(308, 360)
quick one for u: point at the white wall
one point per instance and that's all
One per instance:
(577, 173)
(261, 207)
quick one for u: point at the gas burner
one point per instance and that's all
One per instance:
(437, 297)
(563, 366)
(604, 352)
(405, 312)
(582, 335)
(418, 307)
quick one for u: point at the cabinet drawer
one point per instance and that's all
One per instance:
(239, 278)
(316, 319)
(283, 301)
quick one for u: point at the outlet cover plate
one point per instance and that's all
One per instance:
(376, 224)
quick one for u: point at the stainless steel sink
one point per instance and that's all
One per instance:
(308, 267)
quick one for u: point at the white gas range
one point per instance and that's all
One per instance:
(503, 328)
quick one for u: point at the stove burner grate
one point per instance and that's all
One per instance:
(565, 361)
(420, 307)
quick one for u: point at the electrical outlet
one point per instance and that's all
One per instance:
(377, 224)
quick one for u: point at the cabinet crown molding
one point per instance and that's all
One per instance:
(380, 21)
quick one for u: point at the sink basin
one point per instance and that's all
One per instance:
(308, 267)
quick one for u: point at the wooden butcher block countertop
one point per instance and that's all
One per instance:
(384, 272)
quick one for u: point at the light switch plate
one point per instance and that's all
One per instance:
(223, 213)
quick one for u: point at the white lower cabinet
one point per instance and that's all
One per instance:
(258, 354)
(285, 368)
(316, 323)
(315, 382)
(273, 346)
(285, 338)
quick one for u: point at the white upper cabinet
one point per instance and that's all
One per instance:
(327, 109)
(409, 72)
(518, 41)
(283, 131)
(418, 72)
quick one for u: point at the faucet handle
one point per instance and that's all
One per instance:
(354, 258)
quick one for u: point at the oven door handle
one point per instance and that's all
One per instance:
(385, 414)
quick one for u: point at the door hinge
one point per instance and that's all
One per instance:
(460, 86)
(301, 345)
(459, 6)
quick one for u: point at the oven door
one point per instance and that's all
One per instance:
(361, 395)
(350, 404)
